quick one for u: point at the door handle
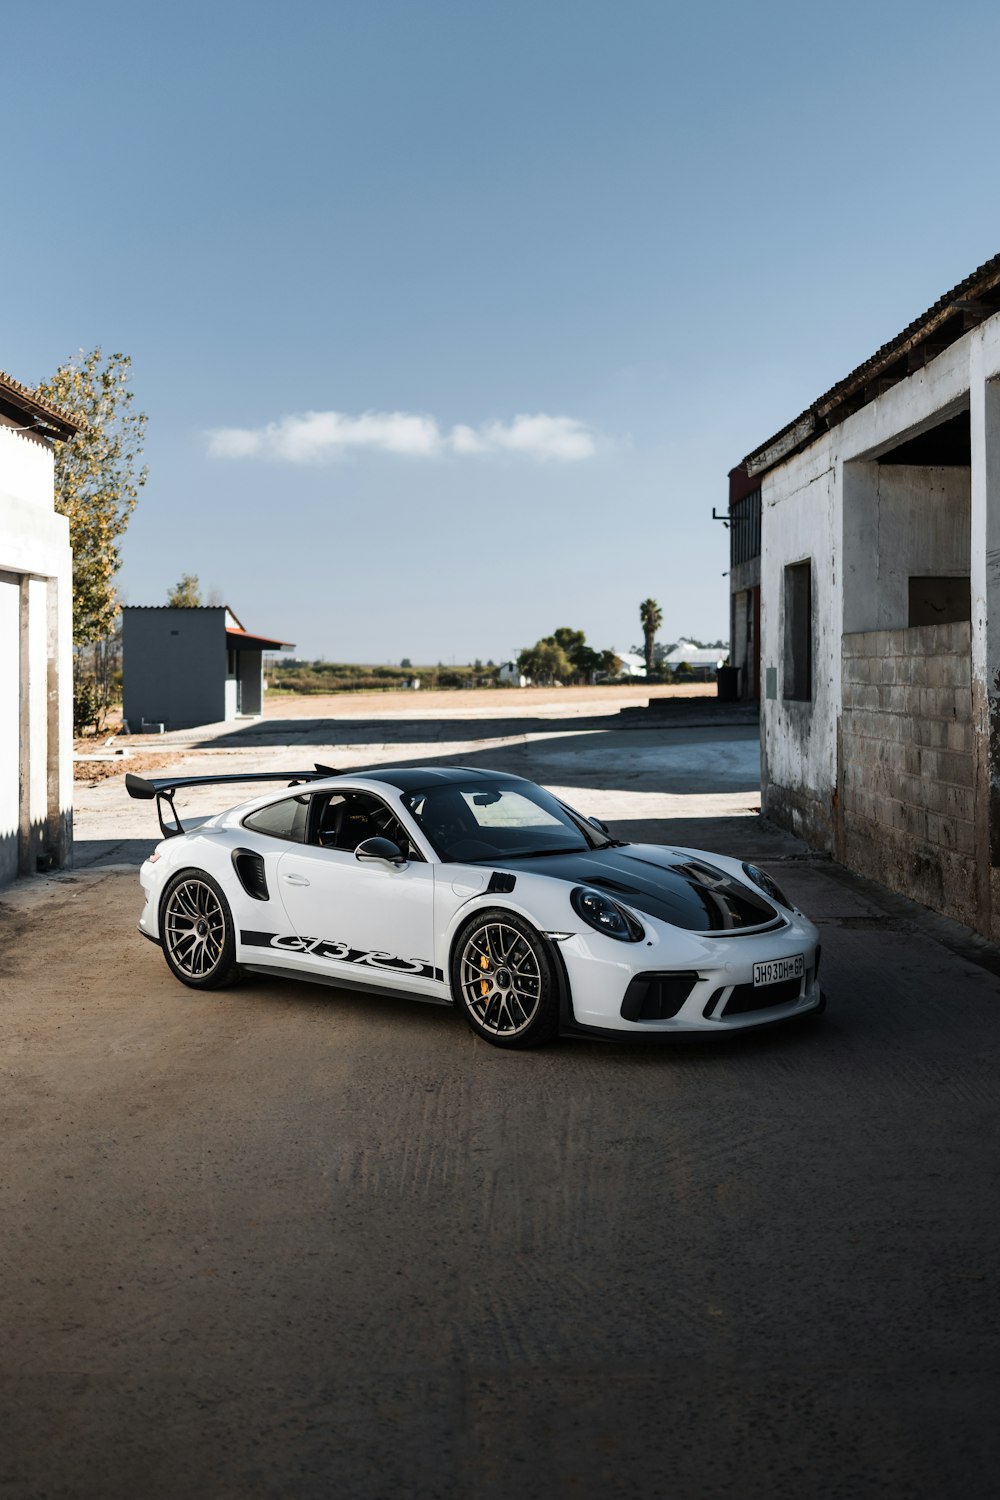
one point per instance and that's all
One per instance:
(296, 880)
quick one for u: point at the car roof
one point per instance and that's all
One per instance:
(421, 778)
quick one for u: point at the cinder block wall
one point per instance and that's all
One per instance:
(907, 764)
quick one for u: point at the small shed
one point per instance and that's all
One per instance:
(188, 666)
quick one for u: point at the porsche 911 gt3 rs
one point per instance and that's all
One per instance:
(474, 889)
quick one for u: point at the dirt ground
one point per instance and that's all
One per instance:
(503, 700)
(285, 1241)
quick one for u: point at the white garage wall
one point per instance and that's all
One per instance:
(9, 724)
(36, 694)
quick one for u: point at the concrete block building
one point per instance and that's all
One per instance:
(875, 520)
(183, 667)
(36, 639)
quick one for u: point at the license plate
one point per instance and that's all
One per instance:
(777, 969)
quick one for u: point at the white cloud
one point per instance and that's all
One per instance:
(319, 436)
(542, 437)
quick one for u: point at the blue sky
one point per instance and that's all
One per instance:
(541, 273)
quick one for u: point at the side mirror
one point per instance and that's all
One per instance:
(379, 851)
(603, 827)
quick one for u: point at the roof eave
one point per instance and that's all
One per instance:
(50, 421)
(842, 398)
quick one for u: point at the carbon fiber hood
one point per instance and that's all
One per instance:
(675, 888)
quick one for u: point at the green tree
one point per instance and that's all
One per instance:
(186, 593)
(546, 662)
(571, 641)
(565, 657)
(97, 480)
(650, 618)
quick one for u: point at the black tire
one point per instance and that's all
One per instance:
(196, 932)
(504, 980)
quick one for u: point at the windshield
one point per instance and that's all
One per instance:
(498, 821)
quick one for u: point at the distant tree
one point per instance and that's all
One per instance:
(97, 480)
(650, 618)
(571, 641)
(185, 593)
(406, 663)
(546, 662)
(564, 656)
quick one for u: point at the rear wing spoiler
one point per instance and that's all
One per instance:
(162, 788)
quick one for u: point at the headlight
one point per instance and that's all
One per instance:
(600, 912)
(764, 882)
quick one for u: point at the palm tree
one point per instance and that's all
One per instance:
(651, 618)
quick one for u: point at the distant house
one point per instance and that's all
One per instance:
(702, 662)
(632, 665)
(510, 675)
(36, 639)
(183, 667)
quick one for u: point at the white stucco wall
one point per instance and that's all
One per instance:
(10, 723)
(866, 528)
(800, 522)
(36, 698)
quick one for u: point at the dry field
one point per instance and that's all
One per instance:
(501, 702)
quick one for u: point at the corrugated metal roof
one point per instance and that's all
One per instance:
(224, 607)
(817, 417)
(61, 423)
(236, 635)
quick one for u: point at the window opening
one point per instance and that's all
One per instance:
(939, 601)
(798, 631)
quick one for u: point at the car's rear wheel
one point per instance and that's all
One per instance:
(196, 930)
(504, 981)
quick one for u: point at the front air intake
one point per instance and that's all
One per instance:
(748, 997)
(657, 997)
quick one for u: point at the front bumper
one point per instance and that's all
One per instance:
(685, 982)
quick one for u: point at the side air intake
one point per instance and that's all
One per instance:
(250, 869)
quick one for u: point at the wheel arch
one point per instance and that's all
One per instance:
(484, 904)
(172, 876)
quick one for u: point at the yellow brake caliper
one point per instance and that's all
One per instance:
(484, 984)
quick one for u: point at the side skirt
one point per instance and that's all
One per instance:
(334, 981)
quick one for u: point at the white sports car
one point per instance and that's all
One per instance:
(474, 889)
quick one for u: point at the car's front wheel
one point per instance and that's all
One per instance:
(504, 981)
(196, 930)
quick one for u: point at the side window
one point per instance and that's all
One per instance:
(798, 631)
(346, 819)
(286, 819)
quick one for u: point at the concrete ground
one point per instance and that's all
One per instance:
(286, 1241)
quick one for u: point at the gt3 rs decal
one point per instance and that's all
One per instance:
(341, 953)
